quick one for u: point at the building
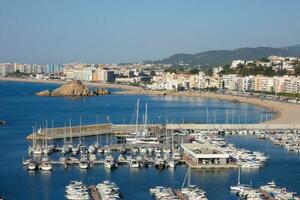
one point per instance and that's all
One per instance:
(264, 84)
(248, 83)
(235, 63)
(204, 154)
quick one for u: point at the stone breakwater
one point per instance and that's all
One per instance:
(73, 88)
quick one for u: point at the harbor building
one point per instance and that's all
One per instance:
(205, 155)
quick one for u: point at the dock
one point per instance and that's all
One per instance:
(94, 193)
(123, 129)
(89, 130)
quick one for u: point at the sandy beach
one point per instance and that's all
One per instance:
(286, 113)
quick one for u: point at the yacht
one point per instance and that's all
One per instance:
(109, 162)
(134, 163)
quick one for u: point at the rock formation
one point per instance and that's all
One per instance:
(73, 88)
(43, 93)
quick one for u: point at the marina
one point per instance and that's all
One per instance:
(134, 181)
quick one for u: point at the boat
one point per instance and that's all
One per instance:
(76, 190)
(134, 163)
(26, 161)
(239, 187)
(159, 163)
(45, 166)
(32, 165)
(171, 163)
(83, 165)
(141, 135)
(191, 192)
(109, 162)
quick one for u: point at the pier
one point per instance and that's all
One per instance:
(89, 130)
(123, 129)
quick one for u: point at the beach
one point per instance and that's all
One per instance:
(286, 113)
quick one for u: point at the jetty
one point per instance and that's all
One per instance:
(123, 129)
(88, 130)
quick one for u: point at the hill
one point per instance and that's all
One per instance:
(219, 57)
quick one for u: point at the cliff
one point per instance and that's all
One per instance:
(73, 88)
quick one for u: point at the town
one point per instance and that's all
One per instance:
(272, 75)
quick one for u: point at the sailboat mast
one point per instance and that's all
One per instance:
(137, 115)
(189, 177)
(45, 133)
(65, 132)
(166, 131)
(33, 141)
(239, 176)
(97, 129)
(52, 133)
(71, 140)
(80, 130)
(146, 115)
(172, 144)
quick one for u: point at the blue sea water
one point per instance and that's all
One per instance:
(22, 109)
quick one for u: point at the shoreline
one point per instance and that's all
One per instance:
(284, 113)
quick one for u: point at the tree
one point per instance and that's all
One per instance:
(264, 59)
(194, 71)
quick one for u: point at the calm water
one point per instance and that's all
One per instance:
(21, 109)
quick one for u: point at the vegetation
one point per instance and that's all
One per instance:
(209, 59)
(242, 70)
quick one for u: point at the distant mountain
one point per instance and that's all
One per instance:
(219, 57)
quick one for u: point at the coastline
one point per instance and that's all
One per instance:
(285, 113)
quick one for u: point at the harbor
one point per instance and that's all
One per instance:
(135, 182)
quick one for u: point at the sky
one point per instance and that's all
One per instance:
(114, 31)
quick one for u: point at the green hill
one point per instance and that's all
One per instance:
(219, 57)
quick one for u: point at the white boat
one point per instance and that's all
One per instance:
(159, 163)
(83, 165)
(45, 166)
(26, 161)
(109, 162)
(134, 163)
(171, 163)
(239, 187)
(32, 166)
(91, 149)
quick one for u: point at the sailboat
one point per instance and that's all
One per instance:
(46, 148)
(239, 187)
(37, 149)
(97, 144)
(191, 191)
(65, 148)
(141, 136)
(171, 163)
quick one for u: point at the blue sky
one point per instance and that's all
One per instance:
(106, 31)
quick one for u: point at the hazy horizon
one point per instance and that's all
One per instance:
(116, 31)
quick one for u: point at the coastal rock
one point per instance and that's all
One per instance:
(101, 91)
(73, 88)
(43, 93)
(2, 122)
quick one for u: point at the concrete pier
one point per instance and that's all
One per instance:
(89, 130)
(121, 129)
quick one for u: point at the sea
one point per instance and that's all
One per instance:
(22, 109)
